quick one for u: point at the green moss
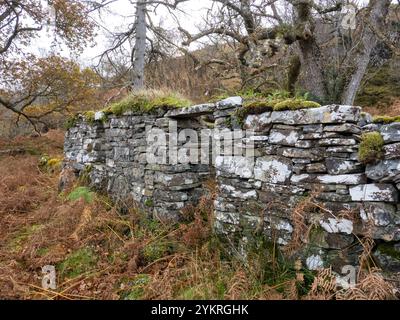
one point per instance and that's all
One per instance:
(295, 104)
(78, 262)
(149, 203)
(17, 242)
(71, 121)
(275, 102)
(370, 147)
(389, 250)
(137, 286)
(89, 116)
(155, 250)
(386, 119)
(146, 102)
(81, 193)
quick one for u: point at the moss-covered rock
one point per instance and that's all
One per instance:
(371, 147)
(386, 119)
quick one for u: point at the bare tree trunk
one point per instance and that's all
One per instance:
(378, 12)
(140, 46)
(310, 53)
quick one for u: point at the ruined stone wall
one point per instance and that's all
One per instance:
(304, 163)
(306, 169)
(113, 154)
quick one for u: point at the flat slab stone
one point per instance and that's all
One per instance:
(391, 132)
(346, 179)
(374, 192)
(258, 122)
(326, 114)
(231, 102)
(240, 166)
(392, 151)
(273, 169)
(192, 111)
(384, 171)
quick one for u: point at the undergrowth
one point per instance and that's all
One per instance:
(106, 251)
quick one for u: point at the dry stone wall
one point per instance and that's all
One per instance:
(303, 162)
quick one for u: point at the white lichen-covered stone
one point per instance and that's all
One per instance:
(382, 214)
(332, 225)
(384, 171)
(240, 166)
(192, 111)
(374, 192)
(273, 169)
(391, 132)
(314, 262)
(326, 114)
(258, 122)
(231, 102)
(284, 137)
(99, 115)
(232, 192)
(346, 179)
(341, 166)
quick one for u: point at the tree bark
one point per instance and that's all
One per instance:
(376, 20)
(310, 53)
(140, 46)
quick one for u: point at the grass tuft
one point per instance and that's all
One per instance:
(371, 146)
(147, 101)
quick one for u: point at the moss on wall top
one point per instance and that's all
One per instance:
(386, 119)
(145, 101)
(257, 106)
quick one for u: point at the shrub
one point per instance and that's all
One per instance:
(371, 147)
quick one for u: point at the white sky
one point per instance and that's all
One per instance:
(122, 14)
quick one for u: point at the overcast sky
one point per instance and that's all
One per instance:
(118, 17)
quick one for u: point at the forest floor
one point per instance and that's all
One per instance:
(102, 252)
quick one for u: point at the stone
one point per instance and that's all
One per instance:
(228, 217)
(317, 167)
(332, 225)
(340, 166)
(312, 154)
(234, 193)
(314, 262)
(345, 127)
(99, 115)
(337, 142)
(374, 192)
(326, 114)
(192, 111)
(258, 122)
(346, 179)
(273, 169)
(392, 151)
(283, 137)
(382, 214)
(232, 102)
(388, 256)
(384, 171)
(236, 165)
(391, 132)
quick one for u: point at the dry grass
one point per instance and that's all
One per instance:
(101, 252)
